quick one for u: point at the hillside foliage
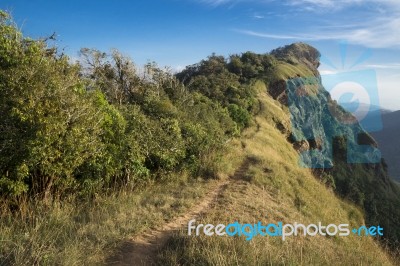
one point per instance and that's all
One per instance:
(75, 127)
(102, 124)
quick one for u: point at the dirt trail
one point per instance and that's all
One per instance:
(142, 249)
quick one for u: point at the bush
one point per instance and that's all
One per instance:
(239, 115)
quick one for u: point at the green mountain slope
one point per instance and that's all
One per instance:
(337, 144)
(328, 139)
(95, 152)
(273, 188)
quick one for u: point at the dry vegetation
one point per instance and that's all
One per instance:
(74, 233)
(275, 189)
(94, 153)
(271, 188)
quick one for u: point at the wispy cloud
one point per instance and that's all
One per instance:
(328, 72)
(267, 35)
(327, 5)
(256, 16)
(336, 4)
(385, 35)
(379, 5)
(370, 23)
(216, 3)
(303, 37)
(393, 66)
(374, 32)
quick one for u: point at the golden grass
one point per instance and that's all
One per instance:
(76, 233)
(284, 71)
(274, 188)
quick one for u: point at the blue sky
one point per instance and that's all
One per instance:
(177, 33)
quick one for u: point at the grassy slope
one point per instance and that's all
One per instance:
(76, 233)
(274, 186)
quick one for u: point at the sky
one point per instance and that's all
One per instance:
(352, 35)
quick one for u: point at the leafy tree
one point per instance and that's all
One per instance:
(50, 125)
(114, 74)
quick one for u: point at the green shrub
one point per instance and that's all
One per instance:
(239, 115)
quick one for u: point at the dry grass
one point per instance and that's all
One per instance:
(284, 71)
(274, 188)
(74, 233)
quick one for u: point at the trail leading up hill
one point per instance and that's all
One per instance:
(142, 249)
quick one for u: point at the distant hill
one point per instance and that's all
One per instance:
(388, 141)
(360, 109)
(387, 138)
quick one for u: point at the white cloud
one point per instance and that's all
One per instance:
(379, 33)
(272, 36)
(328, 72)
(217, 2)
(321, 3)
(378, 26)
(300, 36)
(258, 16)
(335, 4)
(385, 66)
(340, 4)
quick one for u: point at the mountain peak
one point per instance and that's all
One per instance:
(298, 53)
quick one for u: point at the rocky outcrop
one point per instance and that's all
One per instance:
(331, 141)
(316, 120)
(278, 92)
